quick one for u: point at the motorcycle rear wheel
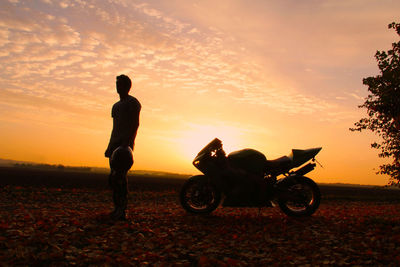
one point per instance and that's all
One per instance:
(305, 201)
(199, 196)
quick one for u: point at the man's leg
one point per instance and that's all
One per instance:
(112, 182)
(120, 195)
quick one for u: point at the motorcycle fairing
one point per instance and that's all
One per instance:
(295, 159)
(214, 144)
(200, 162)
(301, 156)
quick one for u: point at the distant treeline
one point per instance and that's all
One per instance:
(51, 167)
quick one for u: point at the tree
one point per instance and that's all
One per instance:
(383, 108)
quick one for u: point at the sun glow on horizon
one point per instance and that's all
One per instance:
(198, 136)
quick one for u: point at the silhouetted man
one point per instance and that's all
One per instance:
(125, 114)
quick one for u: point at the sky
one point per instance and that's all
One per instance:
(267, 75)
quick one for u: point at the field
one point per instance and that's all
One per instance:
(59, 218)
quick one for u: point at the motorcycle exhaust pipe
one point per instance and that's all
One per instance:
(306, 169)
(291, 179)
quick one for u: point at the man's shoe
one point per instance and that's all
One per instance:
(111, 214)
(119, 215)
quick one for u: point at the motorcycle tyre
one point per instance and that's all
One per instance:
(199, 179)
(310, 209)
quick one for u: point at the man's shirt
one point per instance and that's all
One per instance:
(125, 114)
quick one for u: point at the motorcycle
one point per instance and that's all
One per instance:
(245, 178)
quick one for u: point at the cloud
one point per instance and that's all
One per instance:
(73, 49)
(4, 35)
(356, 96)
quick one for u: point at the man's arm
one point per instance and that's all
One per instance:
(112, 144)
(134, 125)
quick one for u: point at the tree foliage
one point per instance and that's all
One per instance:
(383, 108)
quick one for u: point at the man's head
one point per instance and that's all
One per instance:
(123, 84)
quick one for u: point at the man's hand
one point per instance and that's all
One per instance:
(108, 153)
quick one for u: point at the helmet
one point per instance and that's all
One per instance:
(121, 159)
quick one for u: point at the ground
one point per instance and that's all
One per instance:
(68, 226)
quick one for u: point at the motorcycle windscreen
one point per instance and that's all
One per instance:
(248, 159)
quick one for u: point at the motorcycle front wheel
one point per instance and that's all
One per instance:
(303, 198)
(199, 196)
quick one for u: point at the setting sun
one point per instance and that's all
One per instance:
(194, 139)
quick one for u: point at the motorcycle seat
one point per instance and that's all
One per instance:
(279, 163)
